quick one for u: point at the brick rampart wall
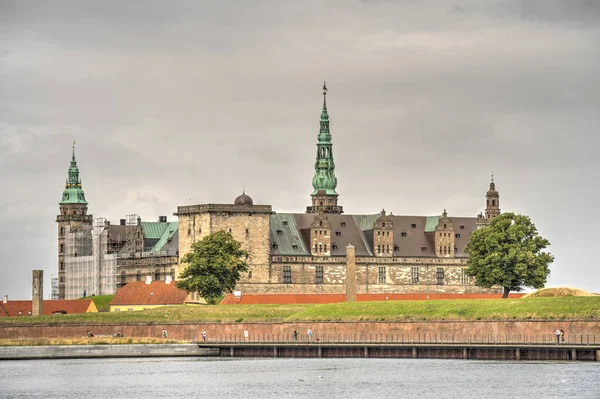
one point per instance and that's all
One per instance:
(192, 331)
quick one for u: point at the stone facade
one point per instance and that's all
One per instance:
(159, 267)
(248, 224)
(399, 276)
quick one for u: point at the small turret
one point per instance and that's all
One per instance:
(383, 235)
(492, 201)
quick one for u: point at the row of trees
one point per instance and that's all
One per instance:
(508, 252)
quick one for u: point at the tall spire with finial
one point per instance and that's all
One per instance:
(73, 193)
(324, 196)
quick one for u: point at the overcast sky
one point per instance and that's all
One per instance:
(173, 103)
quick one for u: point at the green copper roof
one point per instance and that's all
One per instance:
(167, 233)
(73, 193)
(324, 178)
(430, 223)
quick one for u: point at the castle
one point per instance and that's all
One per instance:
(290, 253)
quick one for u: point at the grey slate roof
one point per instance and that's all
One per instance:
(358, 231)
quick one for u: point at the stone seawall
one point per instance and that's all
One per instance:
(192, 331)
(100, 351)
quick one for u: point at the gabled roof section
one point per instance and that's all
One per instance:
(155, 293)
(285, 236)
(167, 236)
(154, 230)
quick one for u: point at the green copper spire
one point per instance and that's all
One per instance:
(324, 179)
(73, 193)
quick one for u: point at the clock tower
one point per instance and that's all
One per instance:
(73, 217)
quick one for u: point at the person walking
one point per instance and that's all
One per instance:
(164, 333)
(204, 335)
(246, 335)
(562, 336)
(557, 334)
(310, 334)
(295, 335)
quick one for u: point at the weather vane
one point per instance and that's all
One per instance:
(492, 176)
(73, 144)
(324, 89)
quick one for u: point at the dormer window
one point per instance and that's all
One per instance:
(279, 232)
(423, 249)
(396, 248)
(285, 222)
(343, 224)
(457, 235)
(338, 233)
(294, 246)
(334, 246)
(275, 246)
(462, 226)
(403, 234)
(413, 225)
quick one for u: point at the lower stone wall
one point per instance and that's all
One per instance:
(192, 332)
(280, 288)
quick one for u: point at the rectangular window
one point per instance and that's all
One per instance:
(439, 275)
(338, 233)
(343, 224)
(457, 235)
(464, 278)
(319, 275)
(287, 275)
(413, 225)
(123, 278)
(157, 275)
(381, 275)
(138, 276)
(414, 275)
(403, 234)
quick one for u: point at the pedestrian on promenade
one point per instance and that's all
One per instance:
(203, 335)
(310, 334)
(246, 335)
(562, 336)
(557, 333)
(295, 335)
(164, 333)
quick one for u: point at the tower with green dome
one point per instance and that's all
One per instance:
(324, 182)
(73, 217)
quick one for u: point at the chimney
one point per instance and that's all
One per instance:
(37, 292)
(148, 279)
(168, 279)
(162, 219)
(5, 299)
(122, 222)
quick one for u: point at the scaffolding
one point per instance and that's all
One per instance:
(89, 268)
(54, 286)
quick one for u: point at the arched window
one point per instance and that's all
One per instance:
(379, 233)
(320, 248)
(378, 248)
(316, 247)
(62, 231)
(320, 223)
(157, 275)
(383, 224)
(325, 247)
(488, 202)
(493, 202)
(440, 249)
(62, 248)
(387, 249)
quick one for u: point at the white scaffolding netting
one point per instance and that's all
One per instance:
(89, 269)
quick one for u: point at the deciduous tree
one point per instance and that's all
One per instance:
(508, 252)
(213, 266)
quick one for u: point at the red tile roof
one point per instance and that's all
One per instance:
(12, 308)
(155, 293)
(248, 299)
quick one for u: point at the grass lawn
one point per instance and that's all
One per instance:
(487, 309)
(102, 301)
